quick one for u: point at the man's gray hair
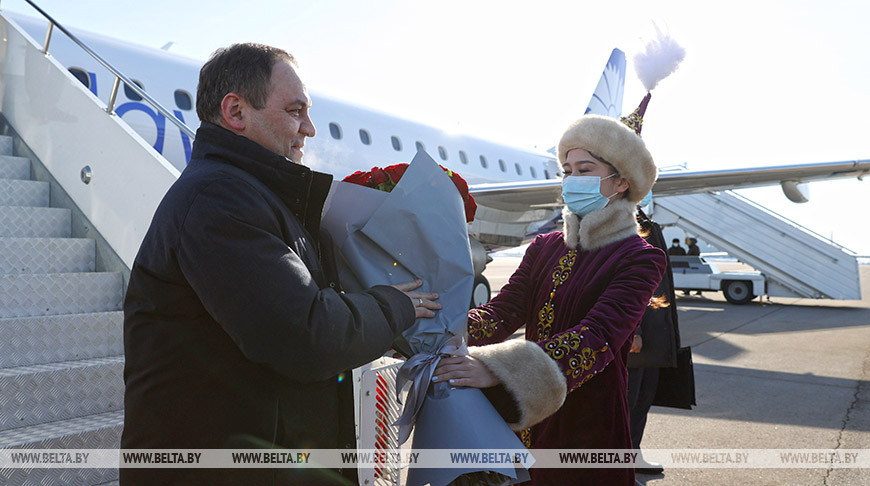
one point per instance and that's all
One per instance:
(244, 69)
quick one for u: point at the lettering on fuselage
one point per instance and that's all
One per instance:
(158, 118)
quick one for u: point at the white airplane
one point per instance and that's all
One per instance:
(517, 189)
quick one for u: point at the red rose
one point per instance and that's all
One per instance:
(467, 199)
(378, 177)
(386, 179)
(359, 177)
(396, 171)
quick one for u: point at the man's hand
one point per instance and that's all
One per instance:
(636, 344)
(465, 371)
(424, 302)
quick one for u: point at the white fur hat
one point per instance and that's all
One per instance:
(618, 141)
(617, 144)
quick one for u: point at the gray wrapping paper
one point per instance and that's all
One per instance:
(418, 231)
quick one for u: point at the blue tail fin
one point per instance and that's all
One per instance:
(607, 98)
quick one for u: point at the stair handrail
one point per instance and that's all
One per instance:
(119, 76)
(791, 222)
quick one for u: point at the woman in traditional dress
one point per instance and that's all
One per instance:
(580, 293)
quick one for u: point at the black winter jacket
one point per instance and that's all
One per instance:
(234, 325)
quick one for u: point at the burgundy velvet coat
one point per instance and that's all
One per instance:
(582, 308)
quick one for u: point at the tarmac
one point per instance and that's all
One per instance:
(783, 373)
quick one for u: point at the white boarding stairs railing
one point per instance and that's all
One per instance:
(61, 347)
(795, 261)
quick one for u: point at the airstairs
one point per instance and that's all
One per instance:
(77, 191)
(61, 363)
(795, 261)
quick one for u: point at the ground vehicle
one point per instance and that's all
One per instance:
(695, 273)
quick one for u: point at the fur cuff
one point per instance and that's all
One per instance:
(598, 229)
(532, 378)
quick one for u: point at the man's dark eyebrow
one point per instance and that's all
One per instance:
(301, 102)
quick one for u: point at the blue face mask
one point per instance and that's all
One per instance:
(646, 200)
(582, 194)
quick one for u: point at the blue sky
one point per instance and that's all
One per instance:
(763, 83)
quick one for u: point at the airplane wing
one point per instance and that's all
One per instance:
(670, 184)
(520, 196)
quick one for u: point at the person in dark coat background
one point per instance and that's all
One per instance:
(676, 249)
(654, 346)
(693, 250)
(236, 332)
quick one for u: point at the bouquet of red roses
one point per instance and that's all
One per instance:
(407, 222)
(385, 179)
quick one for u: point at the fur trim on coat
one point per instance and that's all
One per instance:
(533, 379)
(619, 145)
(614, 222)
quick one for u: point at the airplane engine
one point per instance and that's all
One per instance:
(795, 191)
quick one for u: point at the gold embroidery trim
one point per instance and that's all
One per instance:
(526, 437)
(580, 360)
(546, 316)
(481, 327)
(578, 364)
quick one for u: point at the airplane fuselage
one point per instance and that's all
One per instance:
(350, 137)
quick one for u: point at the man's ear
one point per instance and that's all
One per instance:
(231, 112)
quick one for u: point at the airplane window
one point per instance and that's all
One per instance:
(483, 161)
(443, 153)
(397, 144)
(335, 131)
(546, 174)
(81, 75)
(183, 100)
(364, 137)
(502, 166)
(533, 172)
(420, 146)
(132, 95)
(519, 169)
(463, 158)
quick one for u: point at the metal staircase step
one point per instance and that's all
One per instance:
(14, 167)
(46, 255)
(47, 339)
(61, 477)
(69, 434)
(23, 193)
(45, 393)
(60, 293)
(102, 431)
(24, 222)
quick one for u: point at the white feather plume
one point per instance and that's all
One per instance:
(658, 60)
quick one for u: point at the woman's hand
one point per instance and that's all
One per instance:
(465, 371)
(424, 302)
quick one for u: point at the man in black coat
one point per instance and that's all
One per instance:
(235, 328)
(676, 249)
